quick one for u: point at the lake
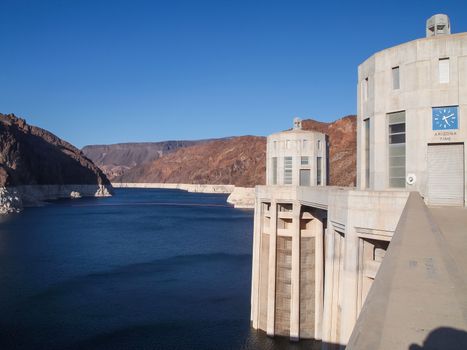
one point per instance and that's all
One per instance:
(144, 269)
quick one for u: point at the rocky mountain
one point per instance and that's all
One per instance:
(115, 159)
(342, 148)
(237, 160)
(241, 160)
(36, 164)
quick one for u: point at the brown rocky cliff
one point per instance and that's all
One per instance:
(33, 156)
(239, 161)
(342, 138)
(115, 159)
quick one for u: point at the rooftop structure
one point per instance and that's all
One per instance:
(438, 25)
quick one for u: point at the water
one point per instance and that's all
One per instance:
(145, 269)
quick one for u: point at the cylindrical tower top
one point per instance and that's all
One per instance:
(438, 25)
(297, 124)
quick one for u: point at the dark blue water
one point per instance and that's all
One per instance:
(145, 269)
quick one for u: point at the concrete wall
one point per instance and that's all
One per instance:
(419, 91)
(316, 251)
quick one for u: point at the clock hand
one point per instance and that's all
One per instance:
(445, 119)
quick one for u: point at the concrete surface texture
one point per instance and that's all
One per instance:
(242, 197)
(419, 297)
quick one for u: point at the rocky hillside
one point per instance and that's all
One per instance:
(115, 159)
(33, 156)
(237, 160)
(342, 148)
(241, 160)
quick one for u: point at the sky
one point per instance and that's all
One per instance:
(100, 72)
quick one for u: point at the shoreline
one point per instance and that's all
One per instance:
(14, 198)
(239, 197)
(197, 188)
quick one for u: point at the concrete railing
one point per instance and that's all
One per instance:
(419, 297)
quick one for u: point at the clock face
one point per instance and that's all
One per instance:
(445, 118)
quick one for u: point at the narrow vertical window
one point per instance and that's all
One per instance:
(443, 66)
(318, 171)
(367, 152)
(396, 125)
(304, 177)
(395, 78)
(287, 170)
(274, 171)
(319, 144)
(365, 89)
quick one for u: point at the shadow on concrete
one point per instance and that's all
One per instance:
(444, 338)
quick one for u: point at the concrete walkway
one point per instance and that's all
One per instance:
(452, 223)
(419, 297)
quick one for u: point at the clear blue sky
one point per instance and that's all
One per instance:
(97, 72)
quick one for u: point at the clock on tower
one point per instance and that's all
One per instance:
(445, 118)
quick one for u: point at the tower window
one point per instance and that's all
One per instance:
(443, 66)
(365, 89)
(274, 171)
(287, 170)
(318, 171)
(395, 78)
(396, 126)
(367, 152)
(304, 177)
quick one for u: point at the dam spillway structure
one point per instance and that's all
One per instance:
(317, 249)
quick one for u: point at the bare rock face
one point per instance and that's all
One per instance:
(10, 201)
(33, 156)
(114, 160)
(75, 194)
(238, 161)
(33, 160)
(342, 148)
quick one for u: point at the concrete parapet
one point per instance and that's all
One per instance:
(419, 295)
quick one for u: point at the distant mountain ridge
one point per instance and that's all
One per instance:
(117, 158)
(241, 161)
(238, 161)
